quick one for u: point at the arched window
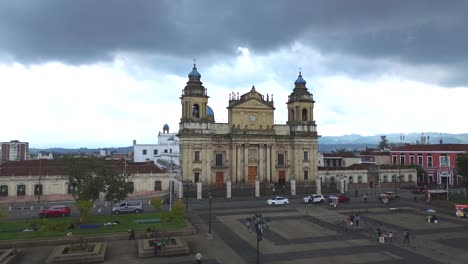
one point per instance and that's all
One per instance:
(292, 114)
(304, 114)
(350, 179)
(196, 111)
(21, 190)
(394, 178)
(410, 177)
(385, 178)
(38, 189)
(4, 190)
(359, 179)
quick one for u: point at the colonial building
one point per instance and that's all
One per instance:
(34, 180)
(167, 149)
(14, 150)
(250, 146)
(437, 160)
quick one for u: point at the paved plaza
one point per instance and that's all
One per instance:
(301, 233)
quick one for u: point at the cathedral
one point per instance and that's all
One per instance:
(250, 146)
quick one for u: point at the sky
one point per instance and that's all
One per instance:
(104, 73)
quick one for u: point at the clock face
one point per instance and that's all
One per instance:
(252, 118)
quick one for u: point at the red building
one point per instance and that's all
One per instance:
(437, 160)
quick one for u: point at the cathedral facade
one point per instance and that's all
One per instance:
(250, 146)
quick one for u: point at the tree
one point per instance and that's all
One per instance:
(462, 167)
(116, 187)
(90, 176)
(383, 144)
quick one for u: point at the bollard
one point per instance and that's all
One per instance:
(9, 208)
(32, 207)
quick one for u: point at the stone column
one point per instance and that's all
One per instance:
(345, 184)
(246, 162)
(257, 187)
(268, 164)
(233, 168)
(261, 173)
(238, 170)
(318, 185)
(228, 188)
(199, 190)
(342, 185)
(181, 189)
(293, 187)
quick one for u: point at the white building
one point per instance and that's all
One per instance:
(167, 149)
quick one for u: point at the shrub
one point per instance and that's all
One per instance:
(85, 208)
(156, 203)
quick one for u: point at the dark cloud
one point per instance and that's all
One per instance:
(85, 31)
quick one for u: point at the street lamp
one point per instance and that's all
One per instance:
(210, 196)
(256, 223)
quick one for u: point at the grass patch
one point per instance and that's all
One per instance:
(55, 227)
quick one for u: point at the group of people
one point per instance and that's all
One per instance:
(152, 232)
(353, 220)
(389, 236)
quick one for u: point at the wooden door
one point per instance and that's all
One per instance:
(219, 179)
(281, 177)
(252, 174)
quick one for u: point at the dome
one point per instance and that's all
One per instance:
(209, 111)
(194, 73)
(166, 126)
(300, 80)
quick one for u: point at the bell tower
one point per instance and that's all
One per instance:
(300, 104)
(194, 99)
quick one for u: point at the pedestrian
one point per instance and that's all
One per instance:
(156, 233)
(365, 198)
(274, 190)
(379, 232)
(99, 210)
(406, 236)
(148, 232)
(198, 258)
(390, 236)
(356, 193)
(356, 219)
(132, 234)
(351, 220)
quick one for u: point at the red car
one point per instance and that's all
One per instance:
(58, 210)
(341, 198)
(419, 190)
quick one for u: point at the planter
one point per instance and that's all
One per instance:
(171, 247)
(90, 252)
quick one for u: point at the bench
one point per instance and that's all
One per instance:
(148, 221)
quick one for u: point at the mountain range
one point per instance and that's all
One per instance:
(325, 143)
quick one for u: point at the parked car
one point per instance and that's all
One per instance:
(128, 207)
(314, 198)
(59, 210)
(278, 200)
(341, 198)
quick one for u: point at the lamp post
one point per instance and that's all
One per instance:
(210, 196)
(257, 222)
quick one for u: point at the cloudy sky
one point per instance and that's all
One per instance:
(101, 73)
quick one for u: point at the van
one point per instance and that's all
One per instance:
(128, 207)
(388, 195)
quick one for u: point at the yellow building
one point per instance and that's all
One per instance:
(250, 146)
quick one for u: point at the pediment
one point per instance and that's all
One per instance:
(253, 104)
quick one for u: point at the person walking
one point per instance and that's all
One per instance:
(379, 232)
(365, 198)
(99, 211)
(390, 237)
(406, 237)
(132, 234)
(356, 219)
(198, 258)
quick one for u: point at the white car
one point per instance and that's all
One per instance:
(314, 198)
(278, 200)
